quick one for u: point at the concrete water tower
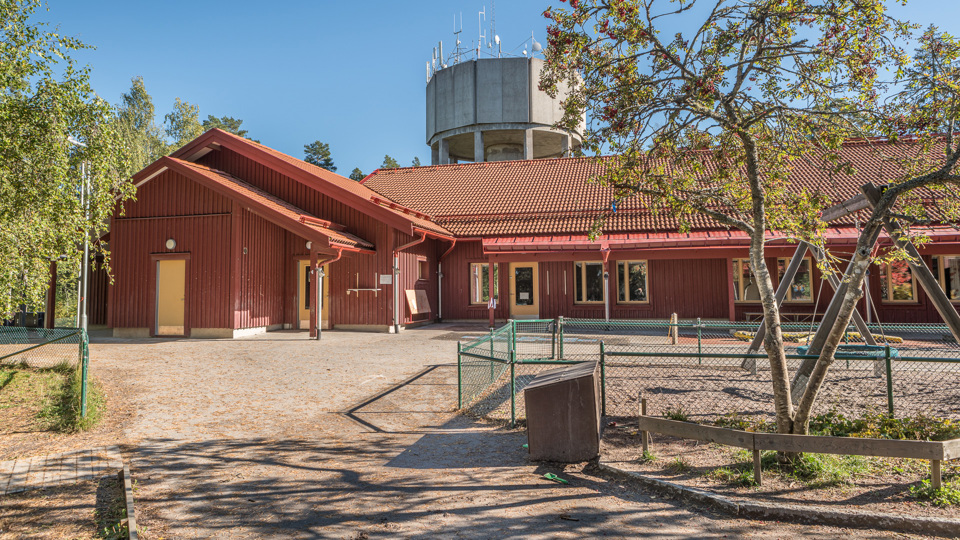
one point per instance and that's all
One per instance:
(490, 109)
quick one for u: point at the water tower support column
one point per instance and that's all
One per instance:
(477, 146)
(528, 144)
(566, 145)
(435, 154)
(444, 152)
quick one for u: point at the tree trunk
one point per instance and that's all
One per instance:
(854, 277)
(773, 340)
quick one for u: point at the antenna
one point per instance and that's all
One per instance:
(481, 16)
(458, 50)
(428, 71)
(535, 47)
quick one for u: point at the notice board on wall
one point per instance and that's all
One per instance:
(417, 301)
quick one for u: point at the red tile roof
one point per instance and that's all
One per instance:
(270, 207)
(322, 180)
(557, 196)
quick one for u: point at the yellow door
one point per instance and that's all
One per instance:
(171, 288)
(303, 294)
(524, 291)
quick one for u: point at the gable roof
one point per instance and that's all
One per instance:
(557, 196)
(344, 190)
(271, 208)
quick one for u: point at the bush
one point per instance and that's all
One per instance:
(947, 495)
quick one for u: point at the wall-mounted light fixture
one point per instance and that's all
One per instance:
(309, 245)
(171, 243)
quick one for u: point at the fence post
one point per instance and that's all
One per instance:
(513, 389)
(553, 342)
(460, 376)
(603, 379)
(492, 356)
(889, 380)
(699, 345)
(560, 324)
(84, 363)
(513, 334)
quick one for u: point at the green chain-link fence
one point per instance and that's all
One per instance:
(43, 348)
(702, 369)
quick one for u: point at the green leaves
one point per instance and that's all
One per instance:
(318, 153)
(45, 100)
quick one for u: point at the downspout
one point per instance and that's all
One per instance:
(605, 251)
(319, 299)
(396, 278)
(440, 280)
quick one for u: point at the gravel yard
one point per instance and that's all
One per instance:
(355, 436)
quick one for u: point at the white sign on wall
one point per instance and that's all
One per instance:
(386, 279)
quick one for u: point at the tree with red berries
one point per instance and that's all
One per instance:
(709, 121)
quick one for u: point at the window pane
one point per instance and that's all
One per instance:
(594, 285)
(621, 283)
(480, 282)
(901, 281)
(736, 280)
(638, 282)
(802, 287)
(750, 291)
(523, 280)
(884, 289)
(578, 280)
(951, 277)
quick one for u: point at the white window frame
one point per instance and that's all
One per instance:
(626, 276)
(886, 275)
(789, 297)
(583, 279)
(476, 269)
(737, 263)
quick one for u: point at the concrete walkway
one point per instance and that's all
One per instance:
(53, 470)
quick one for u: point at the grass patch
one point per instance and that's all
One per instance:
(947, 495)
(52, 396)
(820, 470)
(111, 510)
(679, 465)
(677, 414)
(737, 475)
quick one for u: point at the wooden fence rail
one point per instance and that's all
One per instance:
(934, 451)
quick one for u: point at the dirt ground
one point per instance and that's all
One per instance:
(75, 511)
(352, 437)
(882, 486)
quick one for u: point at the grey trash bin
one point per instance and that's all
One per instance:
(563, 413)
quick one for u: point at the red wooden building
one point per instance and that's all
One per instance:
(223, 235)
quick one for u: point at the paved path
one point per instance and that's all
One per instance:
(57, 469)
(355, 437)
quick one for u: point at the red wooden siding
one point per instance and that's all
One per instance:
(206, 238)
(456, 284)
(409, 271)
(99, 287)
(262, 272)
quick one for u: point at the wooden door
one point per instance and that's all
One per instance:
(524, 291)
(171, 296)
(304, 300)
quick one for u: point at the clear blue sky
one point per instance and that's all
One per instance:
(349, 73)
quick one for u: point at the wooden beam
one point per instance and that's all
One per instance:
(845, 208)
(921, 272)
(826, 324)
(857, 318)
(782, 289)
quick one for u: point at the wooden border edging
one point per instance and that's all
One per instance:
(128, 497)
(817, 515)
(934, 451)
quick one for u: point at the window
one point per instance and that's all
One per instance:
(801, 289)
(423, 268)
(632, 281)
(588, 282)
(947, 269)
(896, 282)
(744, 286)
(480, 282)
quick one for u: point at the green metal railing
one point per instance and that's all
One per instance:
(43, 348)
(704, 369)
